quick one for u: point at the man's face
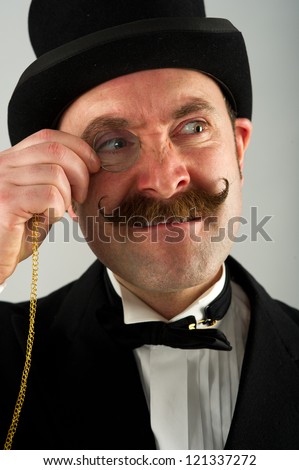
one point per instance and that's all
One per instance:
(175, 127)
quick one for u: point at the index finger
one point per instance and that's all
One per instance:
(74, 143)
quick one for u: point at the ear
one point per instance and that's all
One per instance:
(71, 211)
(243, 131)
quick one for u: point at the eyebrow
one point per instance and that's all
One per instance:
(103, 123)
(193, 106)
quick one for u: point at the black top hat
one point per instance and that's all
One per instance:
(82, 43)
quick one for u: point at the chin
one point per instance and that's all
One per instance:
(156, 268)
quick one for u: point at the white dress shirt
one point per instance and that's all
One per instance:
(191, 394)
(2, 287)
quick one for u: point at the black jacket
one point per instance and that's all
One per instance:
(84, 390)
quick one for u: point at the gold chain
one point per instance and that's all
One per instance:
(30, 338)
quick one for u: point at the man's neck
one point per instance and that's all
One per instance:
(170, 304)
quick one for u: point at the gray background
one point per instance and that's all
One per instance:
(270, 28)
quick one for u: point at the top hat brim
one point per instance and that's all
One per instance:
(210, 45)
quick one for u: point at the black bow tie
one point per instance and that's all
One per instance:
(178, 334)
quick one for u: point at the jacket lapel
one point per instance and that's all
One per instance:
(268, 398)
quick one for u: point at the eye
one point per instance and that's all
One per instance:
(112, 145)
(194, 127)
(118, 150)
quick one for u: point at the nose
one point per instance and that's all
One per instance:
(163, 172)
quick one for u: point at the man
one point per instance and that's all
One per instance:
(136, 120)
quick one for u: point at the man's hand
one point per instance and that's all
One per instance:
(45, 171)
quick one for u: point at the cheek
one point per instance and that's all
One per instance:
(212, 165)
(112, 188)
